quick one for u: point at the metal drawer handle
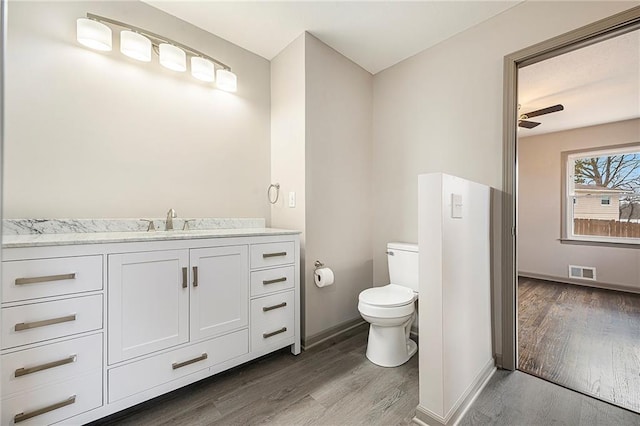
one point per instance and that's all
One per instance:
(277, 280)
(278, 254)
(271, 308)
(177, 365)
(24, 371)
(273, 333)
(28, 325)
(34, 280)
(195, 276)
(185, 272)
(25, 416)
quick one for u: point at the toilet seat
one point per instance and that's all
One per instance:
(388, 296)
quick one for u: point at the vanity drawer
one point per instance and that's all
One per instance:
(144, 374)
(270, 280)
(54, 403)
(36, 278)
(272, 319)
(37, 322)
(56, 362)
(272, 254)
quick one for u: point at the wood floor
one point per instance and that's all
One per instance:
(514, 398)
(333, 384)
(583, 338)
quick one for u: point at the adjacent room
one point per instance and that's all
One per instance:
(578, 212)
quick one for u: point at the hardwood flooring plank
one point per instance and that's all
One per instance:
(377, 401)
(516, 398)
(290, 389)
(305, 411)
(581, 337)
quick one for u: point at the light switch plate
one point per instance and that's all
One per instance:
(292, 199)
(456, 206)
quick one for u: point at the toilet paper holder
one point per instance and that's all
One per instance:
(318, 265)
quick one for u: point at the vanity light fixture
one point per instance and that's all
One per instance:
(94, 32)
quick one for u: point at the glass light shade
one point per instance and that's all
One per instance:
(202, 69)
(135, 46)
(172, 57)
(93, 34)
(226, 80)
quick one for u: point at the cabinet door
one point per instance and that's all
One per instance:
(148, 302)
(219, 290)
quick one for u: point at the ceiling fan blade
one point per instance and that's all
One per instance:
(543, 111)
(527, 124)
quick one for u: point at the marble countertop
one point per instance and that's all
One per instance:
(58, 232)
(42, 240)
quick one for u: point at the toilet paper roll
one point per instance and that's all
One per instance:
(323, 277)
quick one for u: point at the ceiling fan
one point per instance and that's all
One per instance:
(523, 118)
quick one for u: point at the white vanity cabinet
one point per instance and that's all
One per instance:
(148, 302)
(161, 299)
(52, 341)
(219, 290)
(89, 329)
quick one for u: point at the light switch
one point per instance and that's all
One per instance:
(456, 206)
(292, 199)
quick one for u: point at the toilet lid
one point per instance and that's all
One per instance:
(389, 295)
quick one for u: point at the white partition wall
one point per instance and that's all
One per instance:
(455, 296)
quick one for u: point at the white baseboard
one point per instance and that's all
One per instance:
(567, 280)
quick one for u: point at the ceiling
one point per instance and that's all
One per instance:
(373, 34)
(596, 84)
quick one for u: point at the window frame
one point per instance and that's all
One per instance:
(568, 194)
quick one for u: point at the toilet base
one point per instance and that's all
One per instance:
(389, 346)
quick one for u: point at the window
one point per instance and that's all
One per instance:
(602, 199)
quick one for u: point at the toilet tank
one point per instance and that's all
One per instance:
(403, 264)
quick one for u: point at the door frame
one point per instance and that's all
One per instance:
(610, 27)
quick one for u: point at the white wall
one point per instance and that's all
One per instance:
(338, 184)
(321, 149)
(93, 134)
(539, 200)
(441, 111)
(455, 296)
(288, 147)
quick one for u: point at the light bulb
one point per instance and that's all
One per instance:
(135, 46)
(93, 34)
(172, 57)
(202, 69)
(226, 80)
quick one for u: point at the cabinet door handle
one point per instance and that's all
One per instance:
(195, 276)
(277, 280)
(271, 308)
(278, 254)
(25, 416)
(44, 279)
(273, 333)
(185, 272)
(24, 371)
(35, 324)
(177, 365)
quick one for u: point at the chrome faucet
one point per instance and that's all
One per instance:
(171, 214)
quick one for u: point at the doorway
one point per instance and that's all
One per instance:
(598, 32)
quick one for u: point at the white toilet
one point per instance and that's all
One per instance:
(390, 309)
